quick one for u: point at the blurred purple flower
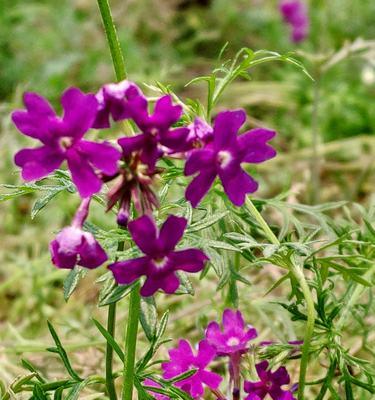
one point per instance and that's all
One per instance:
(156, 131)
(62, 140)
(295, 14)
(223, 157)
(117, 100)
(157, 396)
(161, 261)
(182, 360)
(73, 246)
(270, 383)
(235, 335)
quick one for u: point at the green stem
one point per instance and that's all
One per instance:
(131, 343)
(310, 308)
(315, 159)
(111, 323)
(113, 41)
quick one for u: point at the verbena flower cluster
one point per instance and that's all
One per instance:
(231, 342)
(295, 14)
(130, 167)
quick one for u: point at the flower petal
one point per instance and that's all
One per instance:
(169, 283)
(144, 234)
(165, 113)
(131, 144)
(128, 271)
(171, 232)
(190, 260)
(174, 139)
(61, 259)
(199, 160)
(232, 320)
(91, 253)
(210, 379)
(206, 353)
(281, 376)
(254, 147)
(199, 186)
(226, 126)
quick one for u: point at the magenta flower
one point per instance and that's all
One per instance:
(117, 100)
(182, 360)
(295, 14)
(161, 261)
(73, 246)
(224, 157)
(156, 130)
(62, 140)
(235, 335)
(270, 383)
(157, 396)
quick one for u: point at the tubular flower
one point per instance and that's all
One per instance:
(235, 335)
(224, 156)
(156, 131)
(72, 246)
(295, 14)
(62, 140)
(270, 383)
(161, 261)
(182, 360)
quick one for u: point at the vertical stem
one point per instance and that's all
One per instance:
(315, 159)
(300, 277)
(111, 323)
(131, 342)
(113, 41)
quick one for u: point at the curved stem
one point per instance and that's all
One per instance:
(310, 308)
(131, 343)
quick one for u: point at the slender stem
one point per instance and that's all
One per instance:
(131, 343)
(111, 323)
(315, 159)
(310, 308)
(113, 41)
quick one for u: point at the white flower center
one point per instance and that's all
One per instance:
(160, 263)
(66, 142)
(224, 158)
(233, 341)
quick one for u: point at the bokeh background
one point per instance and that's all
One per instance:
(46, 46)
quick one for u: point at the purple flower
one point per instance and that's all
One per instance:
(118, 100)
(156, 130)
(295, 14)
(235, 335)
(62, 140)
(270, 383)
(224, 157)
(73, 246)
(157, 396)
(161, 261)
(182, 360)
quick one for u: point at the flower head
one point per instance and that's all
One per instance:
(235, 335)
(182, 359)
(156, 131)
(61, 139)
(223, 158)
(295, 14)
(269, 383)
(73, 246)
(161, 261)
(117, 100)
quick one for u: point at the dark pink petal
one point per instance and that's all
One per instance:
(281, 376)
(171, 232)
(183, 352)
(39, 162)
(83, 175)
(60, 259)
(254, 147)
(128, 271)
(213, 333)
(174, 139)
(262, 370)
(210, 379)
(91, 253)
(250, 334)
(102, 156)
(206, 353)
(277, 393)
(150, 154)
(199, 186)
(256, 389)
(226, 126)
(165, 113)
(79, 112)
(144, 234)
(169, 283)
(38, 104)
(131, 144)
(232, 320)
(199, 160)
(190, 260)
(237, 185)
(253, 396)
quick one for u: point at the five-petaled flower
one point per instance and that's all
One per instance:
(223, 157)
(269, 383)
(62, 140)
(235, 335)
(182, 359)
(161, 261)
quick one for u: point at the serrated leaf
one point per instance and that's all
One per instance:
(148, 316)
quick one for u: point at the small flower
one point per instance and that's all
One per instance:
(235, 335)
(62, 140)
(156, 130)
(118, 100)
(161, 261)
(270, 383)
(295, 14)
(157, 396)
(72, 246)
(224, 157)
(182, 360)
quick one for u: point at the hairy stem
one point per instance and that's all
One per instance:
(300, 277)
(131, 343)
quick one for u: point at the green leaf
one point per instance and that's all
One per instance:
(72, 280)
(148, 317)
(116, 294)
(43, 201)
(110, 339)
(186, 286)
(206, 222)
